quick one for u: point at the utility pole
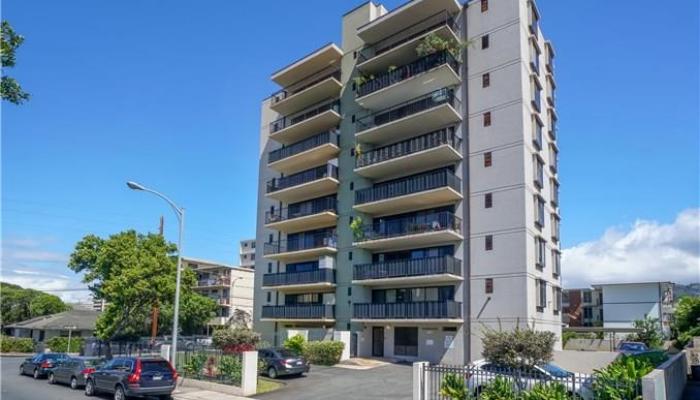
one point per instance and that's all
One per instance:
(155, 311)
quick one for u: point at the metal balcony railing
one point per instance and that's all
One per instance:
(299, 311)
(410, 107)
(323, 275)
(310, 112)
(214, 282)
(304, 209)
(329, 72)
(411, 225)
(442, 18)
(305, 242)
(310, 175)
(407, 71)
(408, 267)
(304, 145)
(414, 145)
(408, 185)
(416, 310)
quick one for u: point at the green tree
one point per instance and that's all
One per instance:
(9, 87)
(18, 304)
(133, 272)
(687, 314)
(195, 310)
(649, 332)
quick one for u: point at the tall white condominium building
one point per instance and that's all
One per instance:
(231, 287)
(247, 253)
(408, 188)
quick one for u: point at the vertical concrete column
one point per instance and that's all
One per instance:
(249, 380)
(165, 353)
(419, 380)
(343, 336)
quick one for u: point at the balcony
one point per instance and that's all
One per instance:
(217, 282)
(310, 90)
(319, 279)
(411, 231)
(400, 47)
(427, 74)
(304, 248)
(429, 189)
(223, 301)
(440, 311)
(311, 64)
(312, 151)
(429, 151)
(319, 117)
(402, 121)
(410, 271)
(309, 184)
(299, 312)
(314, 214)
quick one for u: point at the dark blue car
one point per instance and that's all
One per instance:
(133, 376)
(40, 365)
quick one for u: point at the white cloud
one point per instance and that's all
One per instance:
(647, 251)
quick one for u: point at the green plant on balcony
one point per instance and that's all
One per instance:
(362, 79)
(358, 150)
(358, 232)
(391, 68)
(433, 43)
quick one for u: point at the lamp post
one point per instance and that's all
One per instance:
(180, 212)
(70, 329)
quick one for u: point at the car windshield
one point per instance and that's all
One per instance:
(284, 353)
(155, 365)
(555, 370)
(632, 347)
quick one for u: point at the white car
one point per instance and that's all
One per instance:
(483, 372)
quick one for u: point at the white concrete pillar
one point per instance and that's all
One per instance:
(343, 336)
(165, 352)
(249, 380)
(419, 380)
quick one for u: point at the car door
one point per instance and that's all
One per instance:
(59, 369)
(101, 376)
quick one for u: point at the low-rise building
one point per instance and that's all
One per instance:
(582, 307)
(80, 323)
(230, 286)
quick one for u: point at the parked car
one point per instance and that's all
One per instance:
(279, 361)
(75, 370)
(133, 376)
(576, 384)
(41, 364)
(632, 348)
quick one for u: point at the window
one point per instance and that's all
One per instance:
(253, 245)
(541, 294)
(485, 42)
(270, 238)
(554, 186)
(486, 80)
(489, 285)
(406, 341)
(587, 296)
(555, 227)
(352, 185)
(484, 5)
(269, 297)
(488, 200)
(537, 132)
(540, 249)
(587, 312)
(252, 257)
(534, 56)
(487, 159)
(349, 255)
(539, 211)
(556, 262)
(536, 94)
(487, 118)
(553, 158)
(488, 242)
(538, 169)
(556, 297)
(269, 268)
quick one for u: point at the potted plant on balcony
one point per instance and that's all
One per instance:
(433, 43)
(356, 227)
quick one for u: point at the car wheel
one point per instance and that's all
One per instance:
(166, 397)
(119, 393)
(73, 383)
(21, 369)
(89, 388)
(52, 379)
(272, 373)
(36, 373)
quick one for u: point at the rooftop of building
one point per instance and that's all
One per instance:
(76, 319)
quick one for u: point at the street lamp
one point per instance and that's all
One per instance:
(180, 212)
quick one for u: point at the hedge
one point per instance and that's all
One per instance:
(60, 344)
(10, 344)
(323, 352)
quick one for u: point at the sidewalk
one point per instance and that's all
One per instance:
(199, 394)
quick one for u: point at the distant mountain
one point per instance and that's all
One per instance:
(680, 290)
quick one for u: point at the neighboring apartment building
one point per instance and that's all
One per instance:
(408, 191)
(98, 304)
(231, 288)
(247, 253)
(582, 307)
(624, 303)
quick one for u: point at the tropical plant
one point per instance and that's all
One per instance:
(546, 391)
(195, 364)
(16, 345)
(362, 79)
(356, 227)
(499, 388)
(230, 367)
(621, 379)
(295, 344)
(432, 43)
(236, 340)
(454, 387)
(686, 319)
(60, 344)
(649, 332)
(324, 352)
(518, 348)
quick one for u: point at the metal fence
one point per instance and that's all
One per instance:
(209, 364)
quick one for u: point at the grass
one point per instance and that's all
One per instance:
(266, 385)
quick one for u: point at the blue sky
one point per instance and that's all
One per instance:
(168, 93)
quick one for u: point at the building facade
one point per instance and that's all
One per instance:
(247, 253)
(624, 303)
(408, 187)
(582, 307)
(231, 287)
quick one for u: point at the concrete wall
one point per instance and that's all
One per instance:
(667, 381)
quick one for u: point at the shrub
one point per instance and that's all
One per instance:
(519, 347)
(649, 334)
(236, 340)
(566, 336)
(230, 367)
(295, 344)
(10, 344)
(542, 391)
(195, 364)
(621, 379)
(323, 352)
(453, 387)
(498, 389)
(60, 344)
(685, 337)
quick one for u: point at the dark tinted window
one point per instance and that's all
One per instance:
(155, 366)
(284, 353)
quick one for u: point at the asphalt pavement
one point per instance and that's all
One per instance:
(14, 386)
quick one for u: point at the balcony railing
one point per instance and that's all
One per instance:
(412, 225)
(305, 83)
(407, 71)
(310, 112)
(408, 185)
(417, 310)
(323, 275)
(304, 145)
(306, 242)
(414, 145)
(420, 28)
(214, 282)
(410, 107)
(408, 267)
(299, 311)
(304, 209)
(310, 175)
(224, 301)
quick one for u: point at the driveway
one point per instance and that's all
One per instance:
(390, 381)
